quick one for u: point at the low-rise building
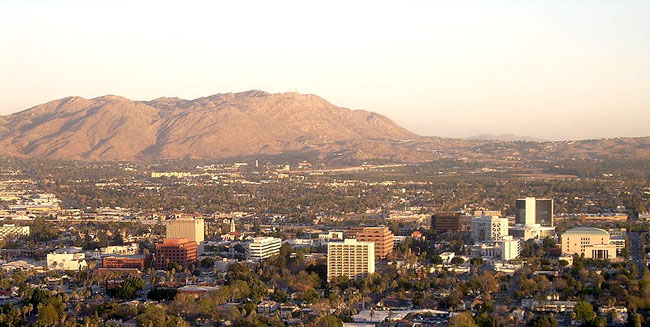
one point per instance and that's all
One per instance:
(67, 259)
(592, 243)
(11, 230)
(126, 261)
(128, 249)
(331, 236)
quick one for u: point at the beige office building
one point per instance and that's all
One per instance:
(593, 243)
(350, 258)
(264, 247)
(489, 228)
(191, 229)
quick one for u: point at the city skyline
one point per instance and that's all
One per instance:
(547, 70)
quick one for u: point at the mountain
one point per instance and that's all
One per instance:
(218, 126)
(261, 125)
(503, 138)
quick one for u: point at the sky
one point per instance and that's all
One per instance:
(545, 69)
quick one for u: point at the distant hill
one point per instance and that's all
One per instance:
(217, 126)
(256, 124)
(504, 138)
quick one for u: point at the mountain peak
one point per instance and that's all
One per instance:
(224, 125)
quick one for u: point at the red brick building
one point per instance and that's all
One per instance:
(126, 261)
(175, 250)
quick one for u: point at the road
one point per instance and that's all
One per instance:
(636, 250)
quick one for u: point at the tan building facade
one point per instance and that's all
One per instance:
(350, 258)
(191, 229)
(381, 236)
(592, 243)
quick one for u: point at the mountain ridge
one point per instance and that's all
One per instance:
(112, 127)
(257, 123)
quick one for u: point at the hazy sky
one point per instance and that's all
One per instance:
(548, 69)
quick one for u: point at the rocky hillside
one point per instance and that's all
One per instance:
(218, 126)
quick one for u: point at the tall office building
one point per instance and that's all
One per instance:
(531, 211)
(489, 228)
(350, 258)
(454, 222)
(175, 250)
(263, 247)
(381, 236)
(191, 229)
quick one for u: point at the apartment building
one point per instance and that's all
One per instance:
(71, 258)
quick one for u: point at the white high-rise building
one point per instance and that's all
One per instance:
(510, 248)
(263, 247)
(350, 258)
(489, 228)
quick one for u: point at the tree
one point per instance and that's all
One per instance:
(463, 319)
(207, 262)
(47, 315)
(543, 321)
(158, 294)
(329, 321)
(436, 260)
(634, 320)
(128, 288)
(154, 316)
(457, 260)
(584, 312)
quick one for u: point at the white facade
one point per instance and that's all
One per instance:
(506, 249)
(592, 243)
(510, 248)
(264, 247)
(489, 228)
(10, 230)
(331, 236)
(350, 258)
(447, 256)
(130, 249)
(525, 232)
(67, 259)
(530, 211)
